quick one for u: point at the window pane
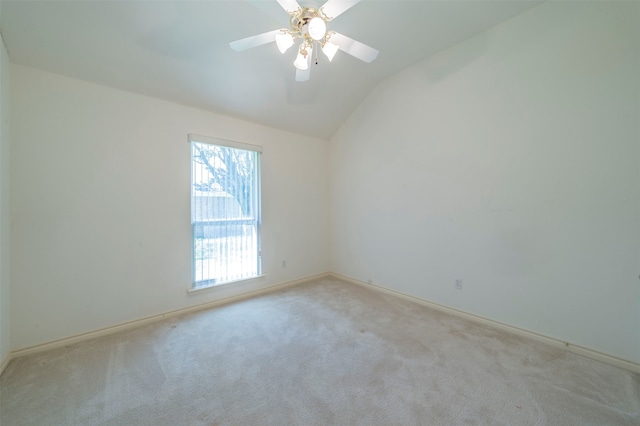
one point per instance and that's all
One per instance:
(225, 213)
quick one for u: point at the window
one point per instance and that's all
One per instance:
(225, 211)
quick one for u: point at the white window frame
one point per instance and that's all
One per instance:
(203, 284)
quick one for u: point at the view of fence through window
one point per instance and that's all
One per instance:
(225, 213)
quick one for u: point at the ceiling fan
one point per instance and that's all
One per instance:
(310, 26)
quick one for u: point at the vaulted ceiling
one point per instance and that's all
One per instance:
(178, 50)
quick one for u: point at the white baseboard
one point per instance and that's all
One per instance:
(5, 362)
(148, 320)
(589, 353)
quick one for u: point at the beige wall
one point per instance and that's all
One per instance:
(510, 161)
(100, 205)
(5, 267)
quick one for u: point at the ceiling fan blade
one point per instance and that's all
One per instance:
(334, 8)
(303, 75)
(354, 48)
(254, 41)
(289, 5)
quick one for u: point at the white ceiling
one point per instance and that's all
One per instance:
(179, 51)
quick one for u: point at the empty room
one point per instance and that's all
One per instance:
(313, 213)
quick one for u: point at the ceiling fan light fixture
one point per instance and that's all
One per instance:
(308, 25)
(317, 28)
(330, 49)
(301, 61)
(284, 41)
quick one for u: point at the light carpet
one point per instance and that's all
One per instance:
(321, 353)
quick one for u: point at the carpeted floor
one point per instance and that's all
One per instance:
(322, 353)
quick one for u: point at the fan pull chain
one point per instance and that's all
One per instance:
(316, 50)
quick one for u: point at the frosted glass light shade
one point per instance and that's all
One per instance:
(284, 41)
(330, 49)
(301, 62)
(317, 28)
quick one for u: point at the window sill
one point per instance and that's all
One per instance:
(224, 284)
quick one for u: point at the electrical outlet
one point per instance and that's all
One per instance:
(459, 284)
